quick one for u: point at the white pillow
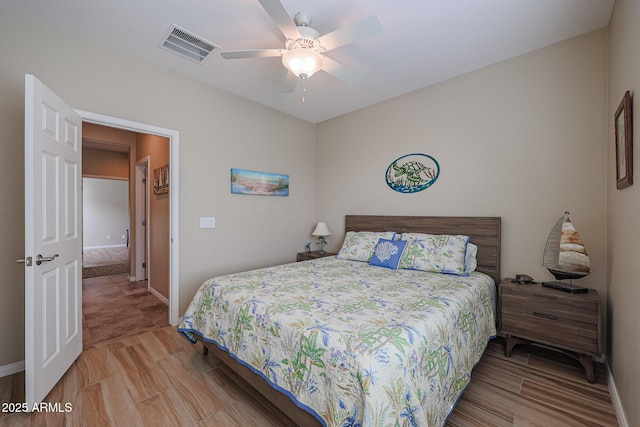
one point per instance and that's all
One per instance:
(470, 261)
(437, 253)
(360, 245)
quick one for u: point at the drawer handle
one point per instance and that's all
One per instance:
(546, 296)
(547, 316)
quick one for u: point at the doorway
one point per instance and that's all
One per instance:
(105, 225)
(172, 197)
(53, 226)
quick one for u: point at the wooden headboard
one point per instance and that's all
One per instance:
(483, 231)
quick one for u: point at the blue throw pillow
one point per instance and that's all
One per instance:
(387, 253)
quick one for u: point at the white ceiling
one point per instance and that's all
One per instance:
(423, 41)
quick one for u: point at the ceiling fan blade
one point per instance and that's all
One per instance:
(364, 28)
(281, 17)
(340, 72)
(289, 81)
(253, 53)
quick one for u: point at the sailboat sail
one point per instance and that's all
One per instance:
(565, 255)
(573, 255)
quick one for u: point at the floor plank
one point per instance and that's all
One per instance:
(144, 373)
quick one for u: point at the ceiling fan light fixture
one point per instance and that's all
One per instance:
(303, 62)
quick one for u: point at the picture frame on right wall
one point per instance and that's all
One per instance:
(161, 179)
(624, 143)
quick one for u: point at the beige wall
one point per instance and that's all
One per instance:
(157, 148)
(101, 161)
(107, 135)
(623, 220)
(523, 139)
(105, 212)
(98, 163)
(252, 231)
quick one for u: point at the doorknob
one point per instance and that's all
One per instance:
(40, 259)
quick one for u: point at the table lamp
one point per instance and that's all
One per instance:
(321, 231)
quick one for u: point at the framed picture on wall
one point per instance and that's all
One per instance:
(624, 143)
(161, 179)
(263, 183)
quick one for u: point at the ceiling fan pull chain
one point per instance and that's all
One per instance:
(304, 90)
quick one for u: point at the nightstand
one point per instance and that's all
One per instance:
(567, 322)
(306, 256)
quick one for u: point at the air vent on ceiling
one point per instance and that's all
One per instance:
(186, 44)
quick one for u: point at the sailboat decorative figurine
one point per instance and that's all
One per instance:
(566, 257)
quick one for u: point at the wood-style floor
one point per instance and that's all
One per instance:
(113, 307)
(151, 376)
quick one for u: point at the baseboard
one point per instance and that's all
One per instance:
(11, 369)
(159, 296)
(615, 398)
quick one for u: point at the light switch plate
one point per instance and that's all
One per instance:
(207, 222)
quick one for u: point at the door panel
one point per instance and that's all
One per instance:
(71, 201)
(71, 289)
(49, 303)
(49, 214)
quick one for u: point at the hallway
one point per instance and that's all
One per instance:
(113, 307)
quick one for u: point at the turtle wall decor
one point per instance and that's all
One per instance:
(412, 173)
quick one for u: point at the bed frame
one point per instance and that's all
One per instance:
(483, 231)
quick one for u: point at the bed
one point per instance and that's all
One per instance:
(336, 341)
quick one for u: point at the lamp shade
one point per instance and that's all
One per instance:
(321, 230)
(303, 62)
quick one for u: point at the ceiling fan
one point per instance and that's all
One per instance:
(303, 52)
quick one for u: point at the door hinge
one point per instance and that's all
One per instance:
(144, 222)
(144, 265)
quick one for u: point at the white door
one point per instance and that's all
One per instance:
(53, 239)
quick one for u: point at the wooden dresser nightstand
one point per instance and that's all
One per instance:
(569, 322)
(306, 256)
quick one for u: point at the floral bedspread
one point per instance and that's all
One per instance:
(351, 343)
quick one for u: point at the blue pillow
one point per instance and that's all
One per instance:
(387, 253)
